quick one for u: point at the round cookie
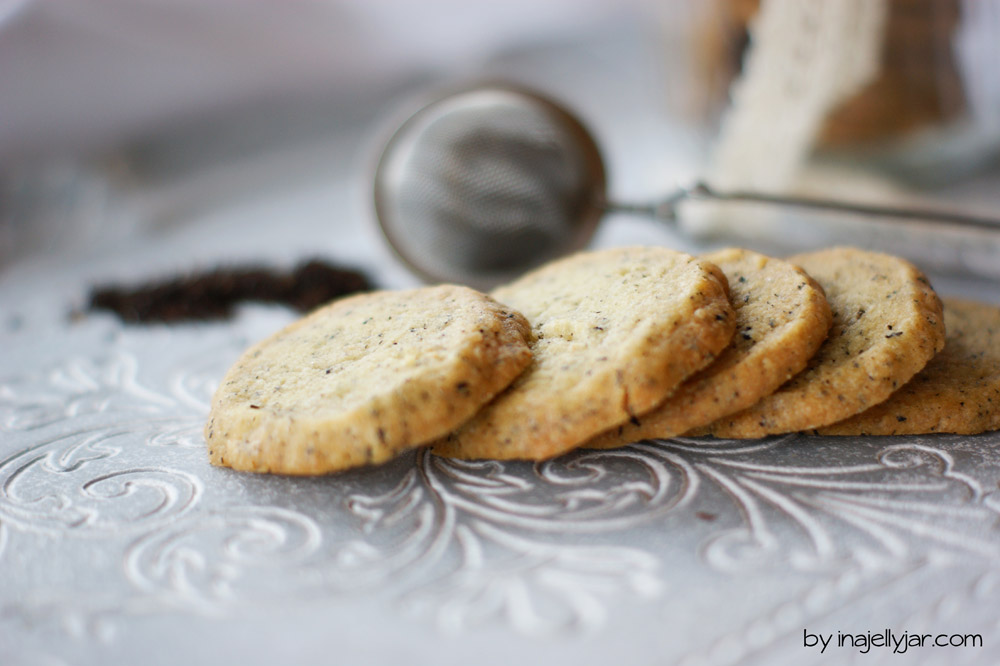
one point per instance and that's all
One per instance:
(616, 332)
(364, 378)
(782, 317)
(887, 324)
(959, 390)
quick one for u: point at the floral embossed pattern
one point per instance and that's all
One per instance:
(113, 525)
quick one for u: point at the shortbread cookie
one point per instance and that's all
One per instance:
(887, 324)
(782, 318)
(616, 332)
(959, 390)
(364, 378)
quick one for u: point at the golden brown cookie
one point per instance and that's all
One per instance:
(782, 318)
(616, 332)
(958, 391)
(887, 324)
(364, 378)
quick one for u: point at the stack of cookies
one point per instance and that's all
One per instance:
(606, 348)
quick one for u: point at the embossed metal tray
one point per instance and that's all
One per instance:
(119, 543)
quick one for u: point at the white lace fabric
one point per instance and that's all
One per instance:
(804, 59)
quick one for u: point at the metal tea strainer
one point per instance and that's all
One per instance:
(480, 185)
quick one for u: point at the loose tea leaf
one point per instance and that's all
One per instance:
(214, 294)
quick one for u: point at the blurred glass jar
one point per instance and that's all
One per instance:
(931, 115)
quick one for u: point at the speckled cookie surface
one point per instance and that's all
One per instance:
(364, 378)
(959, 390)
(616, 332)
(887, 324)
(782, 317)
